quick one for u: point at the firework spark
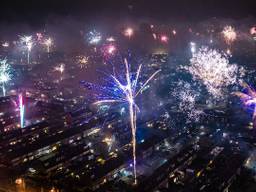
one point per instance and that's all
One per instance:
(60, 68)
(82, 61)
(192, 47)
(48, 43)
(109, 50)
(5, 74)
(253, 31)
(110, 39)
(249, 100)
(27, 41)
(5, 44)
(229, 34)
(213, 69)
(39, 36)
(187, 98)
(126, 94)
(164, 38)
(128, 32)
(22, 111)
(154, 36)
(228, 51)
(94, 37)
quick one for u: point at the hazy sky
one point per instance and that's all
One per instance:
(37, 12)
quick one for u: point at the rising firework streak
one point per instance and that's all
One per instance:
(126, 93)
(22, 111)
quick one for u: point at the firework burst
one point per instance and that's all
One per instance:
(213, 69)
(249, 100)
(253, 31)
(229, 34)
(125, 93)
(128, 32)
(82, 61)
(108, 50)
(48, 44)
(187, 97)
(5, 74)
(27, 41)
(94, 37)
(164, 39)
(60, 68)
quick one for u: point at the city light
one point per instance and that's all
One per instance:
(127, 96)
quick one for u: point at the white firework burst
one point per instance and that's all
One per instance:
(187, 98)
(94, 37)
(27, 42)
(5, 73)
(213, 69)
(229, 34)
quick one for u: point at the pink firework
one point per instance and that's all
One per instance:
(164, 38)
(154, 36)
(249, 100)
(111, 49)
(108, 50)
(253, 31)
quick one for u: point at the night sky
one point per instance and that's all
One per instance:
(37, 12)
